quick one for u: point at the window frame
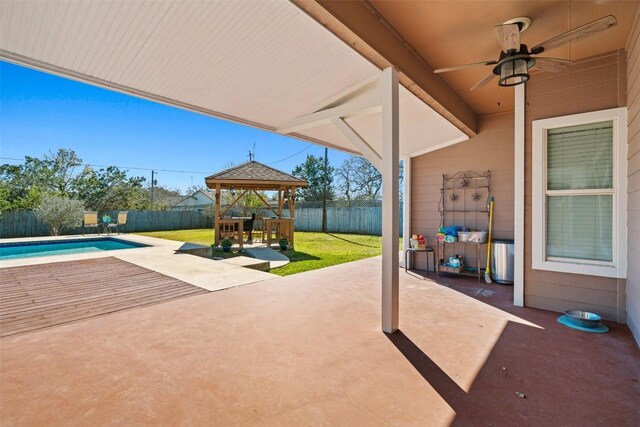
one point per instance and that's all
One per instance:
(616, 268)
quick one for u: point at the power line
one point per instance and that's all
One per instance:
(166, 170)
(293, 155)
(122, 167)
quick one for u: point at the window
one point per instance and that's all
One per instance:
(579, 193)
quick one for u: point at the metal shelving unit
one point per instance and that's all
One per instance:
(464, 201)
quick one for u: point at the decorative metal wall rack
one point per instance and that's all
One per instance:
(464, 201)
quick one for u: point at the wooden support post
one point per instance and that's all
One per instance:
(292, 203)
(216, 218)
(285, 196)
(279, 203)
(292, 213)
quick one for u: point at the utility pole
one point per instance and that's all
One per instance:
(153, 184)
(324, 192)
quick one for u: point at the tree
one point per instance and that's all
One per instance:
(249, 203)
(60, 213)
(109, 188)
(23, 185)
(15, 197)
(345, 178)
(5, 205)
(360, 180)
(312, 170)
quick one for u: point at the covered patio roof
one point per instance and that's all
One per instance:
(218, 59)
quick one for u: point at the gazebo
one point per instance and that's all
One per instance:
(253, 177)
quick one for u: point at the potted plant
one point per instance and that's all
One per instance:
(284, 243)
(226, 245)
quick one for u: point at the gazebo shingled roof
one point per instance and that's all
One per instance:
(254, 175)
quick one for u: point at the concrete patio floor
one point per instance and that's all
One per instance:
(307, 350)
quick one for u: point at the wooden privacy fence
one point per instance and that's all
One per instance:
(27, 224)
(353, 219)
(340, 219)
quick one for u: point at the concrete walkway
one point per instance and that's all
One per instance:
(163, 256)
(275, 258)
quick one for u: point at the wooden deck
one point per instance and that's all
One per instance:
(39, 296)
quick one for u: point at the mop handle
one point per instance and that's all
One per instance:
(489, 240)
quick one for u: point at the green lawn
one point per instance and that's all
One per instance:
(312, 251)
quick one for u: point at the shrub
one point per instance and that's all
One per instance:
(60, 213)
(226, 243)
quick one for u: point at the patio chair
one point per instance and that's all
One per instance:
(90, 220)
(122, 220)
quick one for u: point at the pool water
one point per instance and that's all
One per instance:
(62, 247)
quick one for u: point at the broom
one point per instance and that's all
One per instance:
(487, 271)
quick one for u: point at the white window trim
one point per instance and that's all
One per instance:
(617, 268)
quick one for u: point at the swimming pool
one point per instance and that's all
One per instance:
(63, 247)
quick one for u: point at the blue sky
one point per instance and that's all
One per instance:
(41, 112)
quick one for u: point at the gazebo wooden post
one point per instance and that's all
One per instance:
(285, 198)
(280, 203)
(292, 202)
(216, 218)
(292, 212)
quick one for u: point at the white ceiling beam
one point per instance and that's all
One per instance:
(367, 85)
(360, 26)
(367, 102)
(358, 142)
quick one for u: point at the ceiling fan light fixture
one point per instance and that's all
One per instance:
(512, 66)
(515, 71)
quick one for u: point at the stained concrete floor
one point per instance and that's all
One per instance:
(307, 350)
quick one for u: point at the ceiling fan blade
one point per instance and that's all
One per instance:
(462, 67)
(484, 81)
(508, 36)
(576, 34)
(552, 65)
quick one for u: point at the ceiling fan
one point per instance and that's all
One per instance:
(515, 59)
